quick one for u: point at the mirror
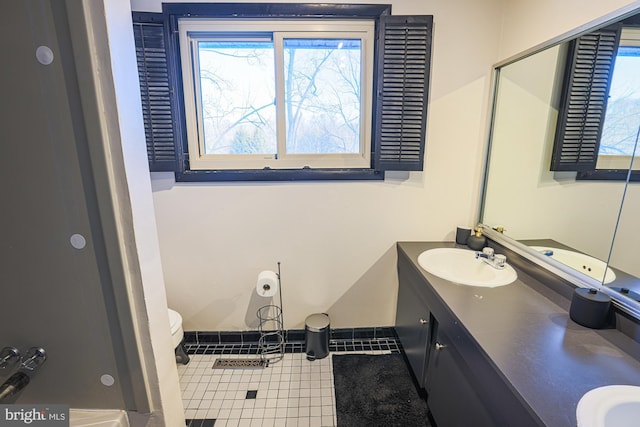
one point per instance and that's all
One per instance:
(569, 220)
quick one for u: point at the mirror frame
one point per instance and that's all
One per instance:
(621, 302)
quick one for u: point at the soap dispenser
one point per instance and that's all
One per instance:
(477, 241)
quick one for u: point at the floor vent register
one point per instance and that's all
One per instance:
(240, 364)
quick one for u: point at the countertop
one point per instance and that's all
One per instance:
(525, 329)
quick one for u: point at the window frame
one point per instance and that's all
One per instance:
(402, 56)
(611, 167)
(629, 38)
(193, 30)
(174, 11)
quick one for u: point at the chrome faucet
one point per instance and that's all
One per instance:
(8, 356)
(34, 357)
(496, 261)
(32, 360)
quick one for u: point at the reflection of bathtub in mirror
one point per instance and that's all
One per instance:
(616, 279)
(586, 264)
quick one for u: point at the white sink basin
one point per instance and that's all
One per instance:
(610, 406)
(592, 267)
(461, 266)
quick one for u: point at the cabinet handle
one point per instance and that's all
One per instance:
(440, 346)
(423, 322)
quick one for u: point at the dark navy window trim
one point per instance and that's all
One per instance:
(608, 175)
(173, 11)
(275, 10)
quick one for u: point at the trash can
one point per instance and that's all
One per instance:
(317, 332)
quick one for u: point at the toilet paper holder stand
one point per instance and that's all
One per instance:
(271, 327)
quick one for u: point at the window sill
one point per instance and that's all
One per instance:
(608, 175)
(279, 175)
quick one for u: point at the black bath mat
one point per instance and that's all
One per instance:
(376, 390)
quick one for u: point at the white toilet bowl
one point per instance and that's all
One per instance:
(177, 335)
(175, 320)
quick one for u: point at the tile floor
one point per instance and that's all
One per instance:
(292, 392)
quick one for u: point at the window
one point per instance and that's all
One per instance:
(622, 117)
(256, 91)
(273, 94)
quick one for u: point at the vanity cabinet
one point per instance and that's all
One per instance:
(433, 358)
(462, 385)
(412, 326)
(452, 399)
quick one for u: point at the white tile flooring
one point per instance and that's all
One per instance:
(292, 392)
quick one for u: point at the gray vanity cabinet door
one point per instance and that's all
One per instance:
(451, 398)
(412, 326)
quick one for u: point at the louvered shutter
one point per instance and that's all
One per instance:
(402, 87)
(155, 90)
(584, 100)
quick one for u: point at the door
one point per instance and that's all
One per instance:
(452, 399)
(412, 327)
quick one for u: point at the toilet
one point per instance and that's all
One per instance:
(177, 337)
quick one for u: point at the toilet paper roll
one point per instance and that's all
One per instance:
(267, 285)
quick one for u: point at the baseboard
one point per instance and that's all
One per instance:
(291, 335)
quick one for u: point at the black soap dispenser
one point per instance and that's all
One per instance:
(477, 241)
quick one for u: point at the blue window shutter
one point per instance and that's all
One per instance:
(148, 29)
(404, 57)
(591, 58)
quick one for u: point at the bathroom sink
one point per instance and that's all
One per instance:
(609, 406)
(461, 266)
(592, 267)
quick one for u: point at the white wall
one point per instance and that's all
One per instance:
(336, 241)
(527, 23)
(134, 204)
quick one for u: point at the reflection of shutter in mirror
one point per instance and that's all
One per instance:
(584, 99)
